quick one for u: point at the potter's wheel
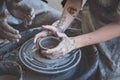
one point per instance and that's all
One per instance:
(40, 64)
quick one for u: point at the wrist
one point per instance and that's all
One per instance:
(59, 28)
(73, 43)
(77, 42)
(47, 32)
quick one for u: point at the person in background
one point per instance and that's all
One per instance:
(100, 25)
(18, 10)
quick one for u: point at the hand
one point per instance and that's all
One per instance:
(65, 46)
(45, 32)
(8, 32)
(23, 12)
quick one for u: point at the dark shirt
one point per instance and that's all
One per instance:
(104, 10)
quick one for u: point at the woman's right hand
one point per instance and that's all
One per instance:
(41, 35)
(8, 32)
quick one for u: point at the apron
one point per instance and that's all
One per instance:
(109, 51)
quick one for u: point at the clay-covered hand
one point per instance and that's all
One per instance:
(21, 11)
(66, 45)
(7, 32)
(46, 32)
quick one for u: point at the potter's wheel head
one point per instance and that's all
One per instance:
(40, 64)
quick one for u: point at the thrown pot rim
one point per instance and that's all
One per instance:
(48, 37)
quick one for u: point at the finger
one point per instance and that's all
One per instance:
(10, 35)
(53, 55)
(50, 51)
(36, 37)
(40, 35)
(10, 29)
(49, 56)
(32, 13)
(28, 18)
(12, 39)
(54, 50)
(25, 23)
(51, 28)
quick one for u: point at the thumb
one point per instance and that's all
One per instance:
(10, 29)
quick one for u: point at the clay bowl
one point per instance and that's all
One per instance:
(48, 42)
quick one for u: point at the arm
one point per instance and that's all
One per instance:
(71, 9)
(6, 31)
(105, 33)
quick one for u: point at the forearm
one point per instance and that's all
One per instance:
(70, 10)
(103, 34)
